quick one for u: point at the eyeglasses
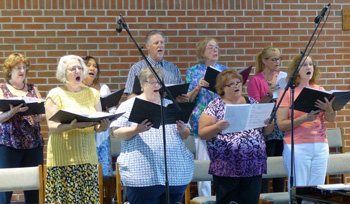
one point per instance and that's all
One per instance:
(153, 83)
(234, 84)
(210, 47)
(276, 59)
(25, 68)
(75, 68)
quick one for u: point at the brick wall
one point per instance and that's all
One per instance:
(45, 30)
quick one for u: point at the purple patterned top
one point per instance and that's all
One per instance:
(193, 75)
(239, 154)
(20, 132)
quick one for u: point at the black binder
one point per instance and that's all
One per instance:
(63, 116)
(142, 110)
(111, 100)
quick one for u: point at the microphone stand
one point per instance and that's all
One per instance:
(119, 29)
(292, 86)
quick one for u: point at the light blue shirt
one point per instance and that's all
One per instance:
(141, 162)
(172, 74)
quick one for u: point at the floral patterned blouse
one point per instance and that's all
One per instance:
(20, 132)
(237, 154)
(204, 96)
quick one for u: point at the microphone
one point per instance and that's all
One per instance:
(119, 25)
(323, 12)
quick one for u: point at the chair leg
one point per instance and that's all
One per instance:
(118, 184)
(100, 179)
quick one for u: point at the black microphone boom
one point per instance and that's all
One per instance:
(323, 12)
(119, 25)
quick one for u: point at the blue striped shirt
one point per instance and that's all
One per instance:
(172, 73)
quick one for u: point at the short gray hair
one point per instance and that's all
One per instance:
(151, 33)
(146, 74)
(62, 67)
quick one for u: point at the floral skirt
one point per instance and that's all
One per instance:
(72, 184)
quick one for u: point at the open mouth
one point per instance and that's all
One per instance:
(91, 74)
(308, 73)
(156, 91)
(237, 90)
(77, 78)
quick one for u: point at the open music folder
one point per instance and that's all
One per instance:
(246, 116)
(111, 100)
(212, 73)
(35, 105)
(63, 116)
(142, 110)
(305, 102)
(176, 89)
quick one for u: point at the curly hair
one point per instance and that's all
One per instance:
(11, 61)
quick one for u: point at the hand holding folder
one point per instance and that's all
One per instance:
(305, 102)
(142, 110)
(35, 105)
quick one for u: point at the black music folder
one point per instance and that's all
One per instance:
(212, 73)
(63, 116)
(142, 110)
(111, 100)
(306, 100)
(35, 105)
(176, 90)
(136, 89)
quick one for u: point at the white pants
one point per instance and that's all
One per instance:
(310, 163)
(204, 187)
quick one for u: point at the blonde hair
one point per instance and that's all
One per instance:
(11, 61)
(292, 66)
(265, 54)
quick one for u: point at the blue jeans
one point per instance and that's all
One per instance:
(154, 194)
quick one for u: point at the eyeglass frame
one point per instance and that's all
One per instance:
(153, 83)
(75, 68)
(211, 47)
(234, 84)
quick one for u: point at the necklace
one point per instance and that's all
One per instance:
(270, 78)
(24, 85)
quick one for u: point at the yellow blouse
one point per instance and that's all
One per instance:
(75, 146)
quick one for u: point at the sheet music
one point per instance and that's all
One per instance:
(339, 186)
(246, 116)
(281, 82)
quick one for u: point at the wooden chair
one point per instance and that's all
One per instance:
(23, 179)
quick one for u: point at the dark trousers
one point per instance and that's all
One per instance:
(273, 148)
(233, 190)
(13, 158)
(154, 194)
